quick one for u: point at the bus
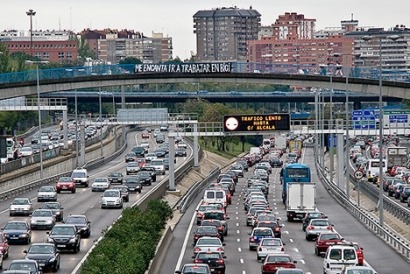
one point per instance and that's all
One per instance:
(373, 168)
(294, 173)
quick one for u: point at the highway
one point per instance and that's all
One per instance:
(82, 202)
(240, 260)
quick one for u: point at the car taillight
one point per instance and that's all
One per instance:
(220, 227)
(330, 227)
(197, 249)
(277, 229)
(251, 239)
(220, 249)
(197, 261)
(310, 227)
(196, 237)
(199, 214)
(320, 242)
(220, 261)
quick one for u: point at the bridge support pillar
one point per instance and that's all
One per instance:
(81, 159)
(65, 130)
(124, 137)
(357, 105)
(340, 161)
(171, 181)
(196, 157)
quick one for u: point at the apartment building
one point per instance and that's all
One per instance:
(223, 33)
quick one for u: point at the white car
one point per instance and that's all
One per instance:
(42, 218)
(145, 144)
(269, 246)
(21, 206)
(150, 156)
(211, 244)
(111, 198)
(26, 151)
(100, 184)
(338, 257)
(47, 193)
(182, 144)
(159, 166)
(132, 168)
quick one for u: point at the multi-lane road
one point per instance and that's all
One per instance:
(82, 202)
(240, 260)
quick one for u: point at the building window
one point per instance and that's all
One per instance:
(61, 55)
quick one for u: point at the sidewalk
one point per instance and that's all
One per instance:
(367, 204)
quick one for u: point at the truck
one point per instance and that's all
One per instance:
(397, 156)
(301, 198)
(280, 142)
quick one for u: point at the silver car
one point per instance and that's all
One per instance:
(269, 246)
(100, 184)
(42, 219)
(47, 193)
(317, 226)
(211, 244)
(21, 206)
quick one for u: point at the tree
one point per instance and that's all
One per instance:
(84, 50)
(130, 60)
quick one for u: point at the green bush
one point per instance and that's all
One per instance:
(130, 244)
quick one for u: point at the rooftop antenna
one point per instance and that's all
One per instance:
(352, 16)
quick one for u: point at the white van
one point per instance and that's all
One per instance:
(80, 176)
(373, 168)
(338, 257)
(255, 150)
(212, 196)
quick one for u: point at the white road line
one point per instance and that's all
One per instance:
(238, 231)
(291, 240)
(243, 272)
(239, 249)
(241, 260)
(286, 232)
(238, 240)
(296, 250)
(303, 261)
(181, 254)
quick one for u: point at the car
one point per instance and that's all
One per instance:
(269, 246)
(145, 134)
(209, 244)
(194, 269)
(56, 208)
(160, 139)
(82, 224)
(145, 145)
(130, 157)
(111, 198)
(80, 176)
(217, 215)
(163, 127)
(215, 260)
(275, 162)
(337, 257)
(216, 223)
(359, 251)
(133, 183)
(17, 232)
(151, 171)
(65, 237)
(47, 193)
(263, 216)
(21, 206)
(31, 266)
(46, 255)
(26, 151)
(124, 192)
(201, 209)
(274, 225)
(205, 231)
(65, 184)
(115, 177)
(132, 168)
(160, 152)
(273, 262)
(258, 234)
(145, 177)
(358, 270)
(290, 271)
(326, 239)
(180, 152)
(182, 144)
(238, 169)
(317, 226)
(150, 156)
(42, 219)
(158, 164)
(100, 184)
(311, 215)
(139, 151)
(4, 246)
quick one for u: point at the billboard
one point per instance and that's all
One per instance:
(256, 123)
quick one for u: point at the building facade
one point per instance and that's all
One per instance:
(293, 26)
(223, 33)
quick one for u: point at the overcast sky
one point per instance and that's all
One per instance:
(174, 17)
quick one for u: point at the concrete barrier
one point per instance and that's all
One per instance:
(161, 251)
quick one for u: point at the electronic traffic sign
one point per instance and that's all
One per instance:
(256, 123)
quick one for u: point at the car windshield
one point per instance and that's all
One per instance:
(28, 266)
(46, 189)
(115, 174)
(75, 220)
(100, 180)
(359, 271)
(214, 215)
(211, 241)
(15, 226)
(111, 194)
(132, 164)
(206, 229)
(329, 237)
(65, 179)
(62, 230)
(77, 174)
(209, 255)
(51, 206)
(319, 223)
(42, 213)
(278, 259)
(272, 242)
(20, 202)
(195, 270)
(41, 249)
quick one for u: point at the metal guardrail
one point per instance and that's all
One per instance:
(198, 187)
(389, 237)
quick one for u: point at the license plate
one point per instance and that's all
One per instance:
(212, 269)
(14, 238)
(41, 264)
(60, 245)
(64, 187)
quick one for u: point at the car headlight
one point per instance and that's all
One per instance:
(49, 222)
(24, 235)
(50, 240)
(52, 259)
(72, 240)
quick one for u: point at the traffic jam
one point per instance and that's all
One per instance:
(252, 181)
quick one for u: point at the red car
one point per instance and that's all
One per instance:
(141, 162)
(145, 135)
(4, 246)
(326, 239)
(65, 184)
(273, 262)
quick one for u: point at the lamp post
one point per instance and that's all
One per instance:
(39, 110)
(31, 13)
(381, 195)
(76, 129)
(101, 126)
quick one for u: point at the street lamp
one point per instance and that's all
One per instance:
(39, 110)
(31, 13)
(381, 195)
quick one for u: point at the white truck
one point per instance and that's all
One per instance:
(301, 197)
(280, 142)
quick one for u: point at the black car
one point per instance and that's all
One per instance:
(152, 171)
(310, 215)
(180, 152)
(134, 184)
(115, 177)
(160, 153)
(17, 232)
(46, 255)
(130, 157)
(145, 177)
(215, 260)
(23, 266)
(139, 151)
(65, 237)
(56, 208)
(275, 162)
(82, 224)
(124, 192)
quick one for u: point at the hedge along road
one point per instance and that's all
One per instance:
(240, 260)
(82, 202)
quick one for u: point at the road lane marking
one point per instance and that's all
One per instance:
(296, 249)
(237, 232)
(291, 240)
(241, 260)
(303, 261)
(239, 249)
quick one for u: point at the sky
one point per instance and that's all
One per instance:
(174, 18)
